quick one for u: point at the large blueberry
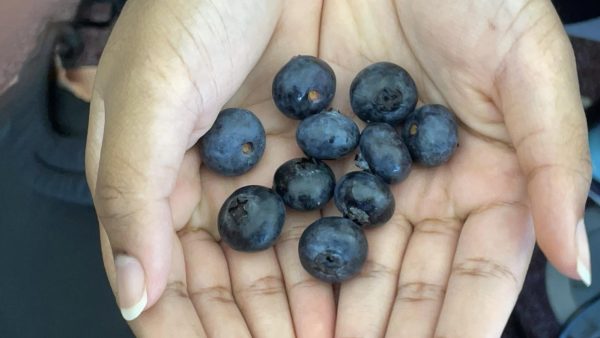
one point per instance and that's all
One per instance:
(303, 87)
(235, 142)
(383, 152)
(383, 92)
(251, 218)
(431, 134)
(333, 249)
(304, 184)
(364, 198)
(327, 135)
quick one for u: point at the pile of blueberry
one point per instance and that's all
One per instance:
(383, 95)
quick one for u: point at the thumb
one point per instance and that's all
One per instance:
(539, 96)
(161, 81)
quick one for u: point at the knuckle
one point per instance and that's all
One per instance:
(484, 268)
(265, 286)
(115, 201)
(532, 136)
(308, 282)
(413, 292)
(441, 227)
(175, 289)
(213, 294)
(110, 216)
(485, 208)
(582, 170)
(376, 270)
(401, 224)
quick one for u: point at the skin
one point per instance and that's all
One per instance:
(22, 23)
(452, 260)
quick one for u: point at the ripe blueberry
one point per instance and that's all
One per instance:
(304, 184)
(235, 142)
(383, 92)
(251, 218)
(303, 87)
(364, 198)
(383, 152)
(327, 135)
(431, 134)
(333, 249)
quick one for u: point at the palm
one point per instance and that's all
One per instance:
(433, 204)
(461, 231)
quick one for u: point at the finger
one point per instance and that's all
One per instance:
(366, 300)
(133, 207)
(93, 145)
(155, 108)
(259, 291)
(488, 271)
(132, 297)
(187, 191)
(209, 286)
(423, 278)
(311, 301)
(174, 311)
(540, 99)
(287, 41)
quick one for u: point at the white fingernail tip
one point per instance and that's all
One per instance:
(584, 266)
(134, 311)
(584, 273)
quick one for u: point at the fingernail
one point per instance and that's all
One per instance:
(131, 287)
(583, 254)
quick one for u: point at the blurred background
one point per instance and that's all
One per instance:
(53, 282)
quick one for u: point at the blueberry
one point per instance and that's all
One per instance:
(383, 92)
(303, 87)
(304, 184)
(383, 152)
(333, 249)
(235, 142)
(327, 135)
(251, 218)
(431, 134)
(364, 198)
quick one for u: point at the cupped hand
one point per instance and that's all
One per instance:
(452, 259)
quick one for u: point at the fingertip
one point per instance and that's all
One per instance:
(561, 261)
(131, 286)
(135, 310)
(558, 245)
(584, 267)
(141, 252)
(558, 194)
(570, 255)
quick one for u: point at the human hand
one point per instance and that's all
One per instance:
(152, 103)
(167, 71)
(453, 259)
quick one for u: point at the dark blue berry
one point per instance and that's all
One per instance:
(364, 198)
(304, 184)
(333, 249)
(235, 142)
(431, 134)
(251, 218)
(327, 135)
(383, 152)
(383, 92)
(303, 87)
